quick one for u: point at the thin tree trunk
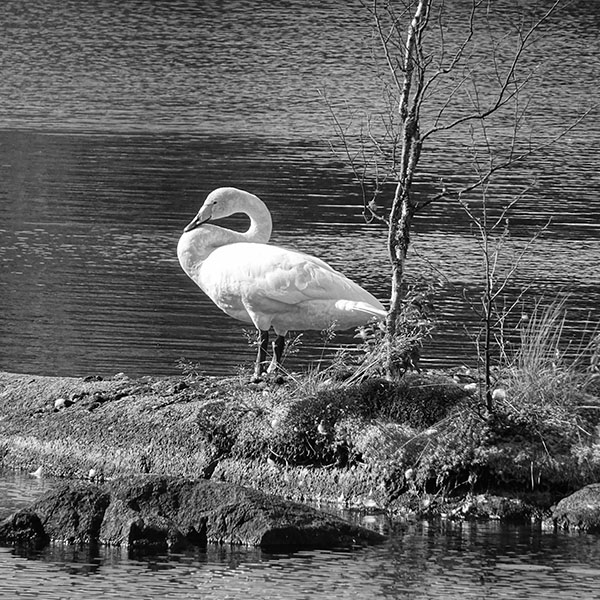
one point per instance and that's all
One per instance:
(403, 207)
(488, 357)
(398, 242)
(403, 211)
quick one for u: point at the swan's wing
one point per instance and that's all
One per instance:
(301, 292)
(299, 277)
(289, 290)
(269, 273)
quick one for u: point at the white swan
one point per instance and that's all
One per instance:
(265, 285)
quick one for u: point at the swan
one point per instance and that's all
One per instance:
(266, 285)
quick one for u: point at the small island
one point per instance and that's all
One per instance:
(424, 445)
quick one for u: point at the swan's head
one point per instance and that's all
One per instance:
(220, 203)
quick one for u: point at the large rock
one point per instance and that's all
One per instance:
(580, 510)
(73, 512)
(161, 511)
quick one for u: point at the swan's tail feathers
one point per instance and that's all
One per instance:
(362, 307)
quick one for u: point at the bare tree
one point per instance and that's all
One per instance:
(432, 90)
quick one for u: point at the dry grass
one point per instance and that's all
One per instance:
(547, 411)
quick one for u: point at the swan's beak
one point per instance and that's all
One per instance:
(202, 217)
(195, 222)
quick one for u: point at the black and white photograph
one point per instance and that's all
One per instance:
(300, 299)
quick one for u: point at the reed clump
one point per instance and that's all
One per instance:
(544, 432)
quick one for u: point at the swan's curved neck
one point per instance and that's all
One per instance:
(261, 223)
(196, 244)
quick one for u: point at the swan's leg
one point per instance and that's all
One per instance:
(261, 357)
(273, 365)
(278, 346)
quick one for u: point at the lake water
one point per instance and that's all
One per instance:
(419, 560)
(116, 120)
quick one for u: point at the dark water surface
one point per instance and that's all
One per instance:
(89, 224)
(420, 560)
(117, 118)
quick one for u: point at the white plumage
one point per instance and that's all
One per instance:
(266, 285)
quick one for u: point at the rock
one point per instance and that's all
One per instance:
(61, 403)
(73, 512)
(23, 527)
(580, 510)
(157, 512)
(179, 387)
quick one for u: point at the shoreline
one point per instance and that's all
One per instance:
(122, 426)
(94, 428)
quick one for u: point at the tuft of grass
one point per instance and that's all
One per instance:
(544, 432)
(190, 370)
(546, 367)
(417, 323)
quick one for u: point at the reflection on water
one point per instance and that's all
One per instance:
(426, 560)
(18, 490)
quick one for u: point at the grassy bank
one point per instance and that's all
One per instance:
(410, 445)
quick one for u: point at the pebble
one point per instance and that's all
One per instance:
(499, 395)
(61, 403)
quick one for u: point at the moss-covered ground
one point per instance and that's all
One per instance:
(424, 444)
